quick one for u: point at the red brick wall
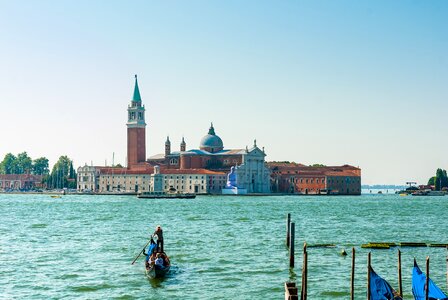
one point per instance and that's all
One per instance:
(136, 146)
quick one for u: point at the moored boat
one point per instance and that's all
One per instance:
(419, 284)
(163, 195)
(380, 288)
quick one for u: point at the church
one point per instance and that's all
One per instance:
(200, 171)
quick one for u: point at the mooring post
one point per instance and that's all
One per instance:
(305, 255)
(291, 244)
(368, 276)
(427, 279)
(352, 278)
(447, 267)
(288, 222)
(303, 292)
(400, 286)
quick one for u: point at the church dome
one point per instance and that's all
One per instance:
(211, 142)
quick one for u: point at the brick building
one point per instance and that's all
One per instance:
(296, 178)
(20, 181)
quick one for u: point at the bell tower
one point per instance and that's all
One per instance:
(136, 129)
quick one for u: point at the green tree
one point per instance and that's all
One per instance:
(441, 180)
(72, 177)
(40, 166)
(317, 165)
(432, 180)
(8, 165)
(60, 173)
(24, 163)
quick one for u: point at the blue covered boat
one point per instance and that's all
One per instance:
(380, 289)
(419, 286)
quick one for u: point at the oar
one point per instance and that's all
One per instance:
(146, 245)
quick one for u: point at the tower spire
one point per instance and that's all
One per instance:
(136, 97)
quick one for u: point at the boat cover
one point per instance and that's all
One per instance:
(151, 249)
(419, 286)
(380, 289)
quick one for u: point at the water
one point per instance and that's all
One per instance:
(81, 247)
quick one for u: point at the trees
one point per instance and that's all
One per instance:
(62, 175)
(432, 180)
(8, 165)
(441, 180)
(24, 163)
(40, 166)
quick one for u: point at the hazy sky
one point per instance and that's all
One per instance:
(333, 82)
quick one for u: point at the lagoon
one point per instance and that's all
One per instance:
(82, 246)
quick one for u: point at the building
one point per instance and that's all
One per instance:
(136, 130)
(252, 171)
(20, 181)
(201, 170)
(295, 178)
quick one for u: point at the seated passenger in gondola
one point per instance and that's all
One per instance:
(159, 260)
(151, 253)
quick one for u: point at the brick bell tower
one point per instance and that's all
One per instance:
(136, 129)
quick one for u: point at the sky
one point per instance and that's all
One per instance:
(363, 83)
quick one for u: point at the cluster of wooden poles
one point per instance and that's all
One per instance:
(291, 291)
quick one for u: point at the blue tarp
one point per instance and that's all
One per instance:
(380, 289)
(419, 286)
(151, 249)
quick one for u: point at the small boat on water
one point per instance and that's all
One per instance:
(157, 263)
(380, 288)
(428, 193)
(56, 196)
(163, 195)
(419, 286)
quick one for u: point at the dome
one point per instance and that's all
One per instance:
(211, 142)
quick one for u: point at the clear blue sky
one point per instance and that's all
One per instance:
(332, 82)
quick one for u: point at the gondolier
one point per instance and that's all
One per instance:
(159, 234)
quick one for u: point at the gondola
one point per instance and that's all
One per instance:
(419, 286)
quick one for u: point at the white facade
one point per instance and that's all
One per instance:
(253, 174)
(196, 183)
(124, 183)
(107, 180)
(88, 178)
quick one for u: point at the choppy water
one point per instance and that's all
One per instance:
(81, 247)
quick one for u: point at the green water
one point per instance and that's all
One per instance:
(81, 247)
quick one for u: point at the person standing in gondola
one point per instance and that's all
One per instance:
(159, 234)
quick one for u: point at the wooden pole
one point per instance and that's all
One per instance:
(288, 222)
(368, 275)
(427, 279)
(141, 251)
(352, 279)
(400, 286)
(303, 292)
(447, 267)
(291, 244)
(305, 255)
